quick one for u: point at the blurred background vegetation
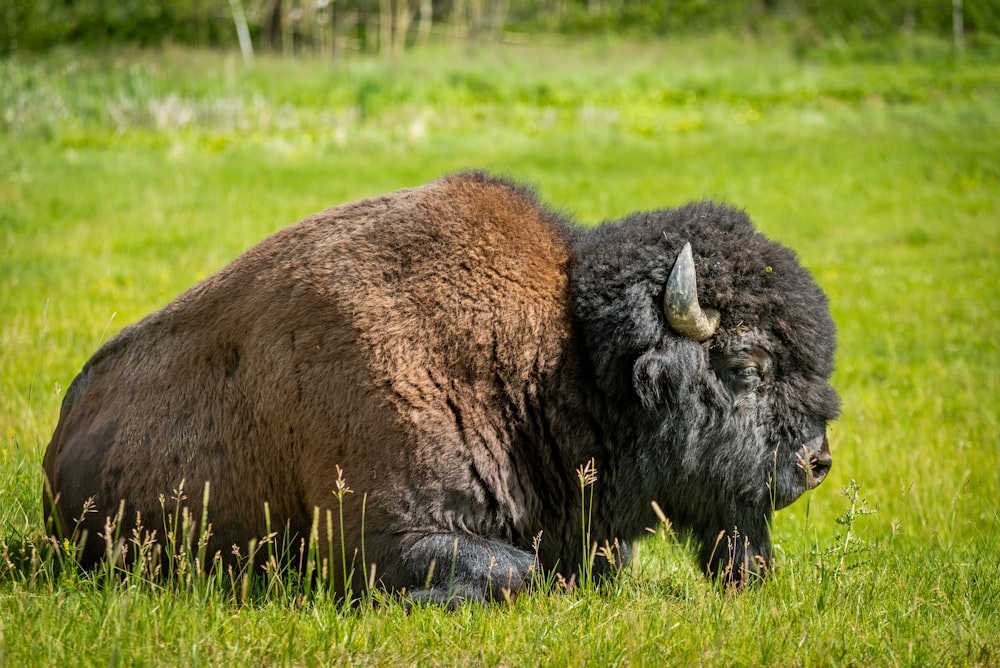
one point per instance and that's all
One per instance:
(339, 28)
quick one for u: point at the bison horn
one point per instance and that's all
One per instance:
(680, 304)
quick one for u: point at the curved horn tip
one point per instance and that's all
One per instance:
(686, 255)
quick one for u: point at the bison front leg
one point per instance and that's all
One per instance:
(452, 568)
(738, 553)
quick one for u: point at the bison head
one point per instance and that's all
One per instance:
(718, 348)
(745, 365)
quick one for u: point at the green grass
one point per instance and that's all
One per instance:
(127, 176)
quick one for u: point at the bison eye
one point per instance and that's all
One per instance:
(743, 371)
(747, 377)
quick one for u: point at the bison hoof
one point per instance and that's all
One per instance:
(448, 599)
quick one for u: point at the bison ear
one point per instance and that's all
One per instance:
(680, 303)
(664, 375)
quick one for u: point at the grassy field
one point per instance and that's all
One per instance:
(127, 176)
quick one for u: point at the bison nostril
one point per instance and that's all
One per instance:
(819, 466)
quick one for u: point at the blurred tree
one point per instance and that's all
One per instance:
(333, 27)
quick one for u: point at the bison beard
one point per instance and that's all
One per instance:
(459, 351)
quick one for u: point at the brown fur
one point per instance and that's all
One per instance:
(299, 358)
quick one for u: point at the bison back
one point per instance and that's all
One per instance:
(398, 341)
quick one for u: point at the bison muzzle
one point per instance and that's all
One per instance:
(460, 355)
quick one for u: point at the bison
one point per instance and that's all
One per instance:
(467, 361)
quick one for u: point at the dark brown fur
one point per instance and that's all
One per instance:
(267, 376)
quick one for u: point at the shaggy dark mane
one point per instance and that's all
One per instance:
(752, 281)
